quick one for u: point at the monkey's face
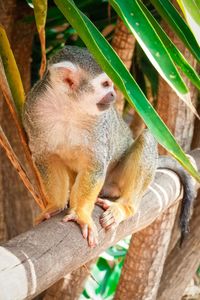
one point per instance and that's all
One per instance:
(80, 90)
(104, 91)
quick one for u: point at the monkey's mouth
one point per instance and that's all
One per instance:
(102, 106)
(106, 101)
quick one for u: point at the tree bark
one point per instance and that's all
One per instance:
(148, 270)
(15, 202)
(70, 286)
(147, 251)
(182, 263)
(34, 260)
(196, 136)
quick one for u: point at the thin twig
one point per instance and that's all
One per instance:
(17, 165)
(8, 97)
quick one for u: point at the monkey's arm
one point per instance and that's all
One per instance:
(83, 196)
(55, 180)
(132, 175)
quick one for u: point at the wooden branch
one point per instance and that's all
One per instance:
(34, 260)
(19, 168)
(4, 86)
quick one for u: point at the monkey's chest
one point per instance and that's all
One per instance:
(76, 150)
(76, 157)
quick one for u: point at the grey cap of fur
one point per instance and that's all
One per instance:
(78, 56)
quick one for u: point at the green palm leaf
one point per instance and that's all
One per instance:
(176, 22)
(191, 10)
(175, 54)
(132, 13)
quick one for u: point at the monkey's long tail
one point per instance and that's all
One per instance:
(166, 162)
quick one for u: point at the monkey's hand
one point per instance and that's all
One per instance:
(49, 212)
(84, 192)
(115, 212)
(132, 175)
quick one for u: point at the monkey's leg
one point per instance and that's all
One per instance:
(55, 180)
(82, 199)
(133, 175)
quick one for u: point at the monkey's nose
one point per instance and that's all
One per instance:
(107, 99)
(111, 95)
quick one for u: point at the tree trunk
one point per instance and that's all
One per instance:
(70, 286)
(146, 255)
(15, 201)
(196, 136)
(146, 266)
(182, 263)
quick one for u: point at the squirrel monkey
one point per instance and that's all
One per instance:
(83, 149)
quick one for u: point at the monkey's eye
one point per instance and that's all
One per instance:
(106, 83)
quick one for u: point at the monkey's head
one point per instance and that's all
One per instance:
(74, 75)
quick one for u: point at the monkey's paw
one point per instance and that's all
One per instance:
(46, 215)
(88, 228)
(112, 216)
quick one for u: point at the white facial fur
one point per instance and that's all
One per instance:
(97, 83)
(58, 72)
(65, 64)
(89, 101)
(65, 116)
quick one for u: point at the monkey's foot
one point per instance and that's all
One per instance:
(88, 228)
(111, 218)
(46, 215)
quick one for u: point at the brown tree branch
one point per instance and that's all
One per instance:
(20, 34)
(33, 261)
(10, 102)
(17, 165)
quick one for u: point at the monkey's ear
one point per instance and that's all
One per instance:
(66, 72)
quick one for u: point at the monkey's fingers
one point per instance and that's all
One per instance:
(70, 217)
(111, 218)
(90, 234)
(41, 218)
(104, 203)
(107, 222)
(89, 231)
(46, 215)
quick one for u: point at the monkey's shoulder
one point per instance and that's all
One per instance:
(114, 134)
